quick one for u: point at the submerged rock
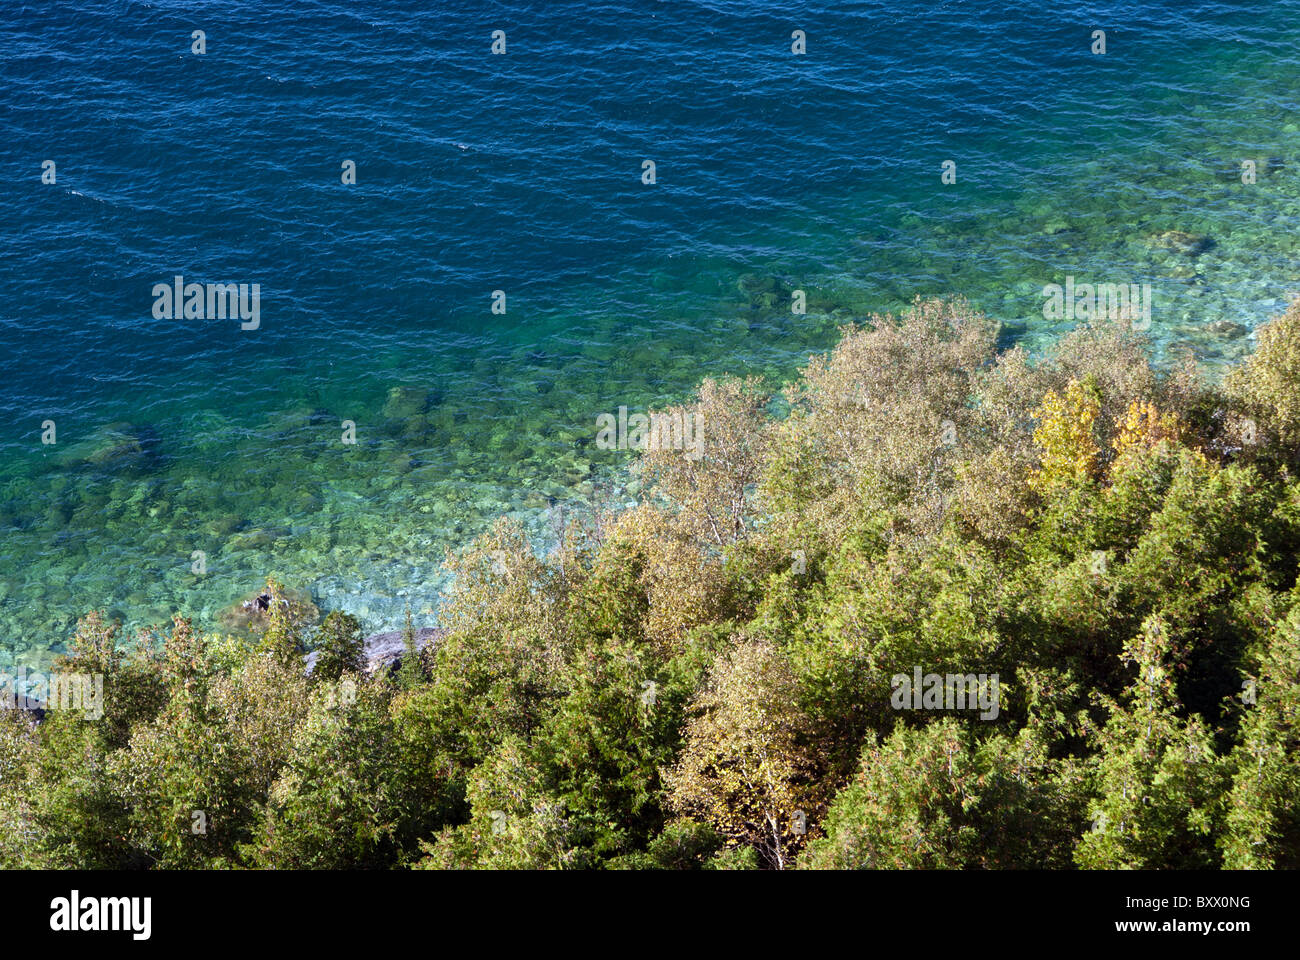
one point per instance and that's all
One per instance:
(123, 448)
(762, 292)
(291, 423)
(223, 525)
(1228, 329)
(1178, 241)
(577, 471)
(257, 538)
(403, 403)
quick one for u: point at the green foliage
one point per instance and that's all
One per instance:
(743, 762)
(705, 680)
(1157, 779)
(340, 647)
(1266, 390)
(1263, 817)
(216, 752)
(938, 797)
(683, 845)
(19, 847)
(333, 804)
(514, 824)
(283, 636)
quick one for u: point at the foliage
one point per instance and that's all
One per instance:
(340, 647)
(1065, 436)
(709, 679)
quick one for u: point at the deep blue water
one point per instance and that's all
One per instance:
(522, 173)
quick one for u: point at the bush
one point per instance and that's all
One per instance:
(340, 648)
(1266, 386)
(704, 680)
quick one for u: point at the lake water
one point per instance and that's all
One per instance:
(523, 173)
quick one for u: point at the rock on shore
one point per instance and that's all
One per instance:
(386, 649)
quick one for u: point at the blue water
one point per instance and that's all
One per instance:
(522, 173)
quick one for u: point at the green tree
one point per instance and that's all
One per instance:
(1157, 781)
(940, 797)
(1263, 818)
(340, 648)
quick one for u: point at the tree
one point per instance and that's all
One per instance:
(940, 797)
(1266, 387)
(340, 648)
(283, 636)
(194, 777)
(331, 805)
(1158, 782)
(742, 765)
(1065, 436)
(1263, 818)
(710, 481)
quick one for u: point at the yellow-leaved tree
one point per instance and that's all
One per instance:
(1069, 450)
(742, 764)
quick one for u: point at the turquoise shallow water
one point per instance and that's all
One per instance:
(522, 173)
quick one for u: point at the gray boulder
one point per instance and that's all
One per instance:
(387, 649)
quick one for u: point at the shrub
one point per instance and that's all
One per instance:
(340, 647)
(742, 762)
(1266, 385)
(1065, 435)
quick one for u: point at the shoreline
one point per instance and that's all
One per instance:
(382, 608)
